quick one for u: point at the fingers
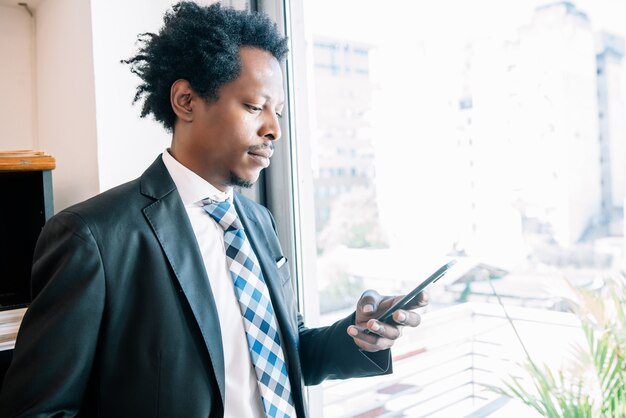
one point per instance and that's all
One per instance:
(401, 318)
(423, 299)
(381, 329)
(419, 301)
(370, 341)
(373, 335)
(407, 318)
(380, 336)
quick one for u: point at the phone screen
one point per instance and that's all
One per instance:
(410, 300)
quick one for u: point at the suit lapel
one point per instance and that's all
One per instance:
(270, 272)
(287, 322)
(170, 224)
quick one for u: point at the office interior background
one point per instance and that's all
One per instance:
(490, 132)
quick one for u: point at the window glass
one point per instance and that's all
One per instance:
(491, 132)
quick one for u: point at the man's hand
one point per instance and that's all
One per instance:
(371, 305)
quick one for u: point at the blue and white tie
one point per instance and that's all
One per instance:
(258, 314)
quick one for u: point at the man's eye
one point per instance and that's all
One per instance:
(279, 115)
(253, 108)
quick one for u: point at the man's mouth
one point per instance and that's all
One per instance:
(262, 154)
(265, 153)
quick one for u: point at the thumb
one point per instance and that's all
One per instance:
(368, 303)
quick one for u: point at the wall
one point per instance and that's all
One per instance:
(65, 98)
(17, 103)
(127, 144)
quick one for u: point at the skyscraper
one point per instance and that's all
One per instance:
(534, 104)
(344, 150)
(611, 75)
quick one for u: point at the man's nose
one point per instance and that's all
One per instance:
(271, 127)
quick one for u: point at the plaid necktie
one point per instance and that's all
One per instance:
(258, 314)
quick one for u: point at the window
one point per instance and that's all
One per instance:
(473, 139)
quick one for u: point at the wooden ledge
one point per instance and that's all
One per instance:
(9, 325)
(26, 160)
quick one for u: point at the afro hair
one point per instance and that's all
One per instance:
(199, 44)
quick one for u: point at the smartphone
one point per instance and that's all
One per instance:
(410, 300)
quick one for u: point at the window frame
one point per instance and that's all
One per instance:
(288, 182)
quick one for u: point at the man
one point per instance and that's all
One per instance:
(169, 295)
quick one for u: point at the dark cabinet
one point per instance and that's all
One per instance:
(25, 206)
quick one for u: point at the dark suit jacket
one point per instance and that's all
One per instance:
(124, 324)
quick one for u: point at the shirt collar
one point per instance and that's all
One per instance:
(191, 187)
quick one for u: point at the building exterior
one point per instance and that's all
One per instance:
(532, 102)
(343, 135)
(611, 73)
(558, 103)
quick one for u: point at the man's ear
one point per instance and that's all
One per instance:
(180, 99)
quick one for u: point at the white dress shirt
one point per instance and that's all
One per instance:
(242, 397)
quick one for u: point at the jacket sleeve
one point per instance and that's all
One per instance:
(57, 340)
(330, 353)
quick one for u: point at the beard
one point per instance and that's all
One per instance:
(236, 181)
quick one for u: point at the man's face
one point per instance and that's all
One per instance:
(230, 140)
